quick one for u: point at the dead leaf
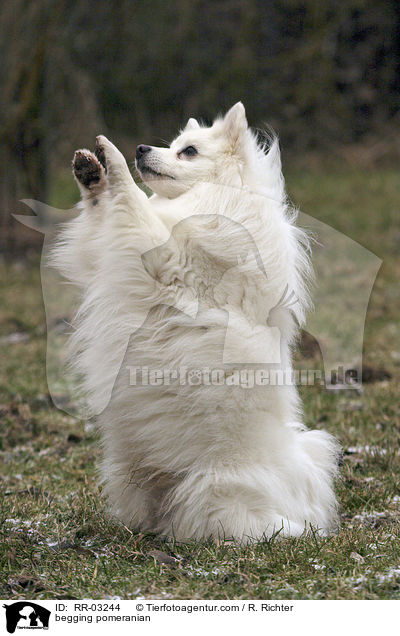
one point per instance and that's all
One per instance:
(357, 557)
(163, 557)
(28, 583)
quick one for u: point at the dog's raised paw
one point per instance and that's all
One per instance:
(114, 164)
(100, 154)
(87, 168)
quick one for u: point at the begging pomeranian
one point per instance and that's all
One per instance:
(184, 294)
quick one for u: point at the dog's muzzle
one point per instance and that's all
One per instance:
(141, 152)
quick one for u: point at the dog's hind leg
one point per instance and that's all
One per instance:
(224, 505)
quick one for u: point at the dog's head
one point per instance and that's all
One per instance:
(199, 154)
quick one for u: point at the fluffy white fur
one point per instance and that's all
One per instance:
(196, 461)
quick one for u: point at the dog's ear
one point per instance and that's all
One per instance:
(235, 122)
(192, 124)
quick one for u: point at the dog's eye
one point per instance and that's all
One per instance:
(190, 151)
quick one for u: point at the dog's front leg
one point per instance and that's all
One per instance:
(125, 195)
(78, 249)
(116, 227)
(112, 206)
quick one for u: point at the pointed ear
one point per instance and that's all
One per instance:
(235, 122)
(192, 124)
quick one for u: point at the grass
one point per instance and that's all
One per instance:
(56, 538)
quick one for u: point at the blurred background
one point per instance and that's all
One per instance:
(324, 75)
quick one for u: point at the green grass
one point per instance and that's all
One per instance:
(56, 538)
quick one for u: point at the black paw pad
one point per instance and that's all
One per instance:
(86, 168)
(99, 152)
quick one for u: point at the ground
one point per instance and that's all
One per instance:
(56, 538)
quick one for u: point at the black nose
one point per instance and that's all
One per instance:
(141, 150)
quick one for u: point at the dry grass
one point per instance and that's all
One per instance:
(56, 539)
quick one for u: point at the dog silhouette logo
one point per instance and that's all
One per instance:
(345, 272)
(26, 615)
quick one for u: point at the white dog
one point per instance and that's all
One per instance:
(211, 262)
